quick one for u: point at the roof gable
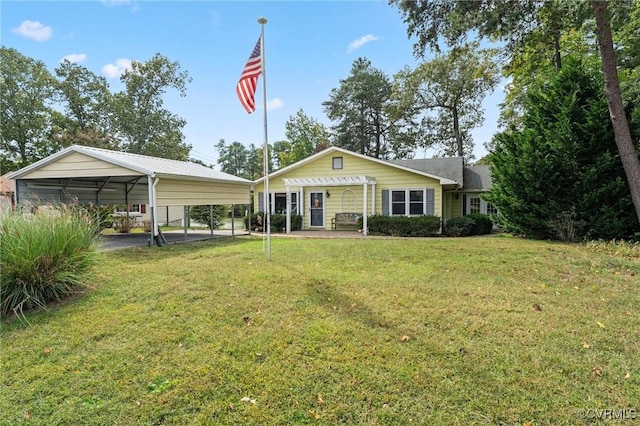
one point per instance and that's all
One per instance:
(137, 164)
(336, 150)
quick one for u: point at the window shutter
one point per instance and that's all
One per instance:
(430, 197)
(464, 204)
(385, 202)
(260, 201)
(143, 208)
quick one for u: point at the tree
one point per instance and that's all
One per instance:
(454, 86)
(233, 158)
(206, 214)
(628, 152)
(143, 125)
(26, 89)
(255, 166)
(305, 137)
(559, 176)
(86, 100)
(367, 120)
(452, 21)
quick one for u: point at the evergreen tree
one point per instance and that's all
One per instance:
(560, 175)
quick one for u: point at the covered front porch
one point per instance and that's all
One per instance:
(319, 199)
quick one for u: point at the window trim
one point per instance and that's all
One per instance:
(334, 161)
(483, 205)
(407, 201)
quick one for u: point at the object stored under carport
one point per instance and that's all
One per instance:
(159, 239)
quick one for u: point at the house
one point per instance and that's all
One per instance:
(336, 180)
(7, 193)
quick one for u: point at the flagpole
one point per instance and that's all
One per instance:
(265, 151)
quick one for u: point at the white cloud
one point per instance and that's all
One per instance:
(117, 69)
(34, 30)
(118, 3)
(275, 103)
(75, 58)
(356, 44)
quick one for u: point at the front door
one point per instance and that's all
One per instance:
(316, 201)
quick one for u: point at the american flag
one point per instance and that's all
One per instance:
(246, 88)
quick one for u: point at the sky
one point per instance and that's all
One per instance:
(309, 47)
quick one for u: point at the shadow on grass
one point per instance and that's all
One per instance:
(332, 299)
(174, 248)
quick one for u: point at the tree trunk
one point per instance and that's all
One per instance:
(456, 132)
(612, 92)
(557, 57)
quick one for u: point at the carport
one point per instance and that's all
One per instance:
(104, 177)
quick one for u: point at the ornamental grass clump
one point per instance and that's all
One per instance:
(44, 256)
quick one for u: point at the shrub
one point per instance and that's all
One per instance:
(43, 256)
(483, 224)
(402, 226)
(104, 214)
(278, 222)
(202, 215)
(124, 224)
(458, 226)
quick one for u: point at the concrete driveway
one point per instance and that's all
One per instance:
(122, 241)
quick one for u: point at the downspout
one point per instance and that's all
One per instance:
(152, 181)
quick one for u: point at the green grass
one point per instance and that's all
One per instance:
(486, 330)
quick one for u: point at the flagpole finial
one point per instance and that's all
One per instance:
(262, 20)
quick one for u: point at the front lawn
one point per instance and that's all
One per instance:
(438, 331)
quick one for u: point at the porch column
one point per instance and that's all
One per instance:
(301, 209)
(373, 198)
(288, 229)
(364, 209)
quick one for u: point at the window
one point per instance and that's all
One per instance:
(398, 203)
(474, 205)
(408, 202)
(337, 163)
(133, 208)
(281, 202)
(416, 202)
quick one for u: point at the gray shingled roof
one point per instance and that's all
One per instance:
(139, 164)
(477, 178)
(450, 167)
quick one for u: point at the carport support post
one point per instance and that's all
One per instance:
(233, 220)
(151, 184)
(186, 221)
(211, 219)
